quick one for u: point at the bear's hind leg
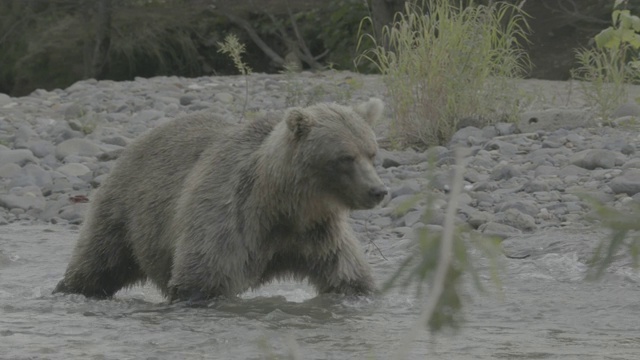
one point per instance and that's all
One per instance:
(102, 263)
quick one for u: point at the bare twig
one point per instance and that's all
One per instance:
(305, 55)
(253, 35)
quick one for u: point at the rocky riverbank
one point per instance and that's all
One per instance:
(56, 147)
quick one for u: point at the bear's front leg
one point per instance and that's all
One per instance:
(207, 267)
(344, 272)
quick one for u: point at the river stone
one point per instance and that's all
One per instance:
(41, 148)
(147, 115)
(506, 128)
(74, 111)
(525, 206)
(77, 146)
(25, 198)
(503, 147)
(224, 97)
(504, 172)
(632, 164)
(572, 170)
(23, 135)
(628, 182)
(516, 219)
(19, 157)
(597, 158)
(501, 231)
(32, 174)
(554, 119)
(4, 99)
(9, 170)
(467, 136)
(187, 99)
(627, 109)
(73, 169)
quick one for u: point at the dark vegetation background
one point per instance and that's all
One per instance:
(53, 43)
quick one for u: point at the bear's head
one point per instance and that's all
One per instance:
(336, 146)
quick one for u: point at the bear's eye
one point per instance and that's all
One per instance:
(346, 159)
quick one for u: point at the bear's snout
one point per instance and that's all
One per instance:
(377, 193)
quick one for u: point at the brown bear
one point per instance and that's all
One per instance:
(204, 209)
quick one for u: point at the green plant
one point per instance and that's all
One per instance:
(625, 235)
(441, 261)
(232, 47)
(614, 62)
(447, 64)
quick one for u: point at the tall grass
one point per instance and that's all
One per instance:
(443, 63)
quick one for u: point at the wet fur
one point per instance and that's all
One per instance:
(203, 209)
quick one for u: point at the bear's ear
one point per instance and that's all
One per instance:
(299, 122)
(371, 110)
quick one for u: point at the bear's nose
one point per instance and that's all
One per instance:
(378, 193)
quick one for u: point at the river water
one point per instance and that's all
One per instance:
(544, 310)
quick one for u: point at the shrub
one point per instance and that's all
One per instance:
(449, 64)
(614, 62)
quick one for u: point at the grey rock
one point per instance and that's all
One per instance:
(632, 164)
(478, 218)
(411, 218)
(224, 97)
(536, 185)
(187, 99)
(147, 115)
(524, 206)
(19, 157)
(29, 197)
(597, 158)
(516, 219)
(628, 149)
(627, 109)
(503, 147)
(628, 182)
(116, 140)
(74, 169)
(506, 128)
(504, 172)
(489, 132)
(498, 230)
(41, 148)
(110, 155)
(9, 170)
(4, 99)
(409, 187)
(73, 213)
(23, 135)
(554, 119)
(553, 144)
(74, 111)
(546, 170)
(467, 136)
(76, 146)
(572, 170)
(32, 174)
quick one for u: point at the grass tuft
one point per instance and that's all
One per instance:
(447, 64)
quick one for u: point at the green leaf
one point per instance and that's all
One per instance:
(630, 37)
(615, 16)
(635, 23)
(626, 20)
(608, 38)
(617, 3)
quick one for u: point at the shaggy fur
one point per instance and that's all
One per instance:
(204, 209)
